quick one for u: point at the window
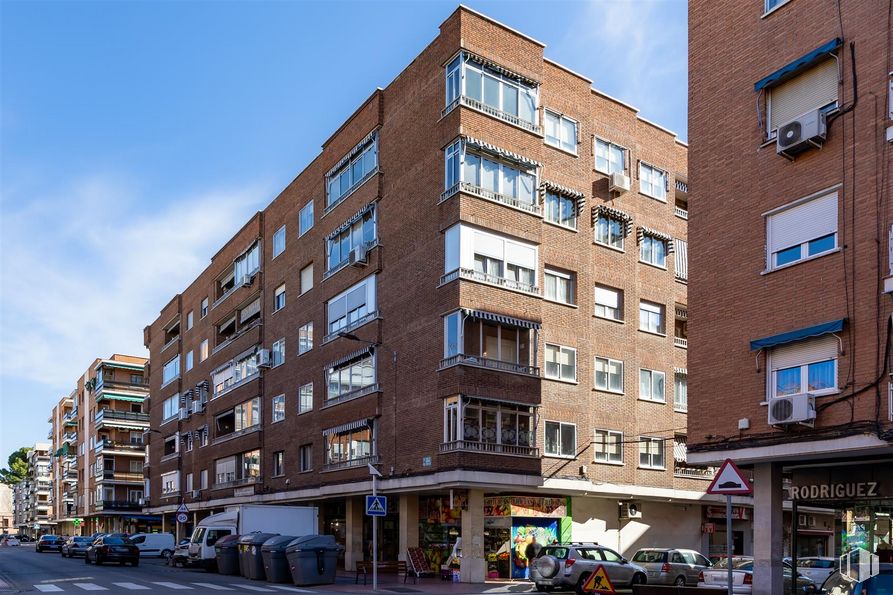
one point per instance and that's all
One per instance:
(496, 178)
(561, 362)
(203, 351)
(651, 317)
(351, 379)
(278, 463)
(608, 302)
(306, 278)
(188, 360)
(347, 447)
(305, 219)
(171, 370)
(352, 308)
(812, 89)
(244, 267)
(188, 484)
(490, 258)
(277, 353)
(653, 250)
(170, 483)
(493, 91)
(608, 446)
(234, 373)
(355, 169)
(505, 426)
(804, 367)
(204, 479)
(652, 182)
(189, 320)
(305, 398)
(355, 234)
(609, 231)
(278, 408)
(279, 242)
(560, 286)
(651, 385)
(171, 446)
(305, 338)
(204, 308)
(203, 437)
(561, 131)
(279, 298)
(501, 346)
(680, 392)
(609, 374)
(773, 4)
(239, 468)
(609, 158)
(560, 209)
(804, 230)
(561, 439)
(240, 418)
(305, 454)
(170, 407)
(651, 452)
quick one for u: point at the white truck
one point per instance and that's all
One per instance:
(248, 518)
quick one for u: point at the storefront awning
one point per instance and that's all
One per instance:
(789, 70)
(833, 326)
(508, 320)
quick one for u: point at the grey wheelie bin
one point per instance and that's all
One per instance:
(312, 559)
(226, 551)
(251, 560)
(275, 562)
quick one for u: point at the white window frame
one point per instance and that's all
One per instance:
(456, 76)
(621, 235)
(560, 350)
(203, 311)
(189, 320)
(167, 375)
(825, 230)
(804, 379)
(560, 119)
(278, 409)
(355, 317)
(204, 479)
(302, 228)
(305, 338)
(604, 147)
(768, 9)
(279, 241)
(560, 199)
(560, 444)
(308, 272)
(570, 280)
(360, 153)
(649, 307)
(680, 404)
(647, 172)
(279, 461)
(650, 240)
(305, 398)
(606, 309)
(653, 376)
(353, 237)
(170, 408)
(277, 353)
(645, 443)
(203, 351)
(189, 360)
(279, 295)
(608, 362)
(600, 439)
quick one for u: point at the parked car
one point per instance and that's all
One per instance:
(817, 568)
(75, 546)
(837, 584)
(48, 542)
(669, 566)
(112, 549)
(9, 540)
(23, 538)
(154, 544)
(180, 557)
(567, 566)
(742, 576)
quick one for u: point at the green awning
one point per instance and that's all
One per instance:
(119, 397)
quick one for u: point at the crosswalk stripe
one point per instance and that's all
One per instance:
(47, 588)
(89, 587)
(171, 585)
(213, 586)
(292, 589)
(132, 586)
(250, 587)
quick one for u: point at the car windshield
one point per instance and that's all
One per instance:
(557, 552)
(737, 563)
(116, 541)
(199, 535)
(650, 557)
(815, 563)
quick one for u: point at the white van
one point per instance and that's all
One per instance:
(154, 544)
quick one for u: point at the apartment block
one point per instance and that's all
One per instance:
(63, 437)
(791, 129)
(479, 286)
(31, 496)
(7, 524)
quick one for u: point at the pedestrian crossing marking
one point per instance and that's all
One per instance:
(132, 586)
(213, 586)
(292, 589)
(47, 588)
(252, 588)
(51, 588)
(171, 585)
(89, 587)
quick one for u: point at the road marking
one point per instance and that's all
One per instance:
(251, 587)
(171, 585)
(213, 586)
(47, 588)
(132, 586)
(292, 589)
(90, 587)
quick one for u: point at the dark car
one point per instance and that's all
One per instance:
(837, 584)
(48, 542)
(110, 548)
(23, 538)
(75, 546)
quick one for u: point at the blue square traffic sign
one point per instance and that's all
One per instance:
(376, 505)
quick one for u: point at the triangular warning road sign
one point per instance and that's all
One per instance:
(182, 509)
(729, 481)
(598, 582)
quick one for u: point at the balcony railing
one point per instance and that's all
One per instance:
(117, 505)
(171, 342)
(111, 385)
(473, 275)
(135, 447)
(351, 326)
(680, 342)
(706, 473)
(530, 207)
(122, 475)
(71, 417)
(680, 212)
(350, 463)
(128, 416)
(354, 394)
(235, 483)
(492, 364)
(681, 186)
(506, 449)
(70, 437)
(482, 107)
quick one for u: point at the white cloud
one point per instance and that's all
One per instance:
(86, 267)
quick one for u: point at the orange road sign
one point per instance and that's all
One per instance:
(598, 582)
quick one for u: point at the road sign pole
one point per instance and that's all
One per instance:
(729, 538)
(374, 538)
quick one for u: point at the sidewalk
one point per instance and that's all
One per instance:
(389, 583)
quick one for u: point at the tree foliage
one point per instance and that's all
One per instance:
(18, 467)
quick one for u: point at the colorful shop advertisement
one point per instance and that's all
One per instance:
(534, 530)
(525, 506)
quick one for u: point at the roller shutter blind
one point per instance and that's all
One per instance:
(681, 252)
(803, 352)
(607, 297)
(808, 91)
(804, 222)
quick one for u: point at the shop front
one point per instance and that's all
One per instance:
(715, 530)
(440, 525)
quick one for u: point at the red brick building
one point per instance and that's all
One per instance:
(478, 286)
(790, 130)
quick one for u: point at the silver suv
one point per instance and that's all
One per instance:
(568, 565)
(668, 566)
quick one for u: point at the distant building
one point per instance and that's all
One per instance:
(31, 496)
(7, 518)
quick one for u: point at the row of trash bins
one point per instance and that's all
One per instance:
(307, 560)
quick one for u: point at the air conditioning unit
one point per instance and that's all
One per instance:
(198, 406)
(618, 183)
(196, 493)
(246, 280)
(808, 130)
(358, 256)
(792, 409)
(184, 413)
(630, 510)
(263, 359)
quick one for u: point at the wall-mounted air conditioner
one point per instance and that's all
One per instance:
(792, 409)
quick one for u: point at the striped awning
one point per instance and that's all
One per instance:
(612, 213)
(249, 310)
(680, 371)
(347, 224)
(503, 153)
(507, 320)
(355, 151)
(500, 69)
(642, 231)
(116, 396)
(355, 355)
(579, 197)
(360, 423)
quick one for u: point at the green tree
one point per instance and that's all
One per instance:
(18, 467)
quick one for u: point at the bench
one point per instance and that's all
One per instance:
(364, 569)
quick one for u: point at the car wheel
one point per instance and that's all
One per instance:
(166, 554)
(546, 566)
(680, 581)
(638, 579)
(38, 550)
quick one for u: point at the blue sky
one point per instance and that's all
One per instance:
(136, 137)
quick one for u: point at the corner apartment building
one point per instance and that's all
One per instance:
(479, 287)
(63, 436)
(791, 124)
(31, 496)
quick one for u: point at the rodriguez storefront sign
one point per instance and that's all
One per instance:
(852, 482)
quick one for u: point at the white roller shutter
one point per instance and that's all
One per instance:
(681, 252)
(808, 91)
(803, 352)
(520, 255)
(607, 297)
(488, 245)
(804, 222)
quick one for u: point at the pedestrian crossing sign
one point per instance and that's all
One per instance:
(598, 582)
(376, 505)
